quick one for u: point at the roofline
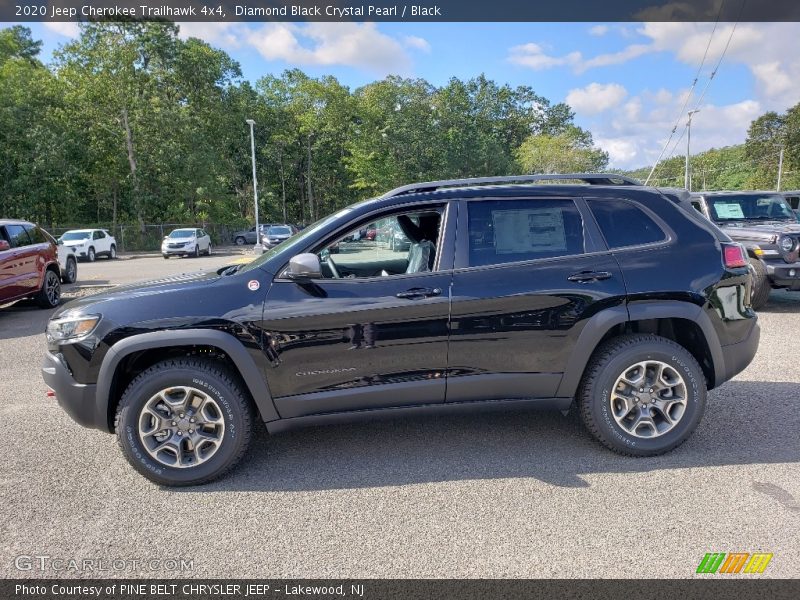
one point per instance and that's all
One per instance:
(589, 178)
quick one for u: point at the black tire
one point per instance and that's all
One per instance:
(70, 274)
(166, 256)
(112, 254)
(240, 241)
(216, 381)
(50, 293)
(761, 285)
(208, 250)
(609, 362)
(196, 251)
(91, 256)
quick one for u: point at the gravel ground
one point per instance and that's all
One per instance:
(508, 495)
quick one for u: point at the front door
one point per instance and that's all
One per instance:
(373, 331)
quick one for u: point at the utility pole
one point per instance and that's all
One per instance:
(687, 175)
(780, 169)
(258, 247)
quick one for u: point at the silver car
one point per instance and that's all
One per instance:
(186, 242)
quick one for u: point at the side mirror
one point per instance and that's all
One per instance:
(4, 245)
(304, 266)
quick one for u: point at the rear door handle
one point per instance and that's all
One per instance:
(416, 293)
(587, 276)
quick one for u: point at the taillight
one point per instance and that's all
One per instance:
(734, 256)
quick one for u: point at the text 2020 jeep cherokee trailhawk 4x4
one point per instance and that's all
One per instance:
(618, 297)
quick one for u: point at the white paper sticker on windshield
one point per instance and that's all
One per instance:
(728, 211)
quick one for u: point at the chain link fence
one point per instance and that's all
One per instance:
(130, 238)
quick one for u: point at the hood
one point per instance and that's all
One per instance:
(760, 230)
(77, 242)
(183, 282)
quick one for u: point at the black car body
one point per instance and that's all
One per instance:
(767, 227)
(521, 316)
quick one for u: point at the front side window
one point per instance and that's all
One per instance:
(505, 231)
(391, 245)
(622, 223)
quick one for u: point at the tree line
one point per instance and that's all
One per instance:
(131, 124)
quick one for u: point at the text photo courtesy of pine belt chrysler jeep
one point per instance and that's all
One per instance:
(513, 293)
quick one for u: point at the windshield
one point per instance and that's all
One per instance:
(296, 240)
(279, 231)
(71, 236)
(740, 207)
(182, 233)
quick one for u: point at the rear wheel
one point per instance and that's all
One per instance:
(240, 241)
(642, 395)
(184, 422)
(761, 285)
(50, 293)
(70, 274)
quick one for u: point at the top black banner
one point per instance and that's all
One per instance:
(397, 11)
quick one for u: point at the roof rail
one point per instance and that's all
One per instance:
(590, 178)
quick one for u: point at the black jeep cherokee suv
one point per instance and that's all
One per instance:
(764, 223)
(615, 296)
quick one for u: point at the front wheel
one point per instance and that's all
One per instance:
(642, 395)
(196, 252)
(112, 254)
(208, 250)
(761, 285)
(90, 255)
(184, 422)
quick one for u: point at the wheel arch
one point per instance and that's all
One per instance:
(143, 350)
(682, 322)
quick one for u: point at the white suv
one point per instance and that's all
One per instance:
(90, 243)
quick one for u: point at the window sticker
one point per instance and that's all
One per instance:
(728, 211)
(529, 230)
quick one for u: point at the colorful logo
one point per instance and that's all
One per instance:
(734, 562)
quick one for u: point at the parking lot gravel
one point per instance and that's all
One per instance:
(503, 495)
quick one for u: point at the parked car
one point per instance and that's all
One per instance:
(67, 262)
(398, 241)
(28, 264)
(765, 223)
(276, 234)
(244, 237)
(571, 296)
(90, 243)
(186, 242)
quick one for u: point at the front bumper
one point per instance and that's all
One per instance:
(177, 251)
(738, 356)
(77, 399)
(780, 274)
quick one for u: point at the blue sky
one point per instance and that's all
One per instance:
(626, 82)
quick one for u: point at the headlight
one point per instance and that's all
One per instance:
(71, 329)
(787, 244)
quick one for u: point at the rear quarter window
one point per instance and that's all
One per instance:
(624, 224)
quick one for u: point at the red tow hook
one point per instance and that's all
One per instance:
(50, 393)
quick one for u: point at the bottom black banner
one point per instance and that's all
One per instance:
(378, 589)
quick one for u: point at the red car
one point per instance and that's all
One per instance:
(28, 264)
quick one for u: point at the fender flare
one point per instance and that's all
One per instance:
(243, 361)
(601, 323)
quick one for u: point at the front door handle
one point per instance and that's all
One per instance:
(587, 276)
(416, 293)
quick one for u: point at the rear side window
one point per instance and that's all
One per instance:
(504, 231)
(17, 236)
(625, 224)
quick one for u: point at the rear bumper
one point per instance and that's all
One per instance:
(77, 399)
(783, 275)
(738, 356)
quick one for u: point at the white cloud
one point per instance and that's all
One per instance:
(596, 97)
(599, 30)
(349, 44)
(615, 58)
(65, 28)
(534, 56)
(417, 43)
(225, 34)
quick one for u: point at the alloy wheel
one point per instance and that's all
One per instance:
(648, 399)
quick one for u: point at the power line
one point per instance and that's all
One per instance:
(688, 93)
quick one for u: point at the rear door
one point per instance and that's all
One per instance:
(529, 273)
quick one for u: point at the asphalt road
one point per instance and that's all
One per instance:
(509, 495)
